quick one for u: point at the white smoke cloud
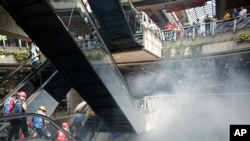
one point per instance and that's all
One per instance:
(200, 105)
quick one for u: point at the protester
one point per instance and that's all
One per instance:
(35, 56)
(60, 135)
(77, 121)
(38, 123)
(19, 123)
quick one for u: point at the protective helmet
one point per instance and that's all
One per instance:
(22, 93)
(30, 41)
(65, 125)
(43, 108)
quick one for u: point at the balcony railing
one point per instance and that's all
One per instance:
(209, 29)
(8, 41)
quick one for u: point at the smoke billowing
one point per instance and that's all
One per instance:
(198, 100)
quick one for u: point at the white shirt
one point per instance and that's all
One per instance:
(243, 12)
(34, 52)
(80, 38)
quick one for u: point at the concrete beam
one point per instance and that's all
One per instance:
(9, 27)
(220, 8)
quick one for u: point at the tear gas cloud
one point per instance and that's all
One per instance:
(194, 104)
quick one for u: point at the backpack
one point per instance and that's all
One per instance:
(17, 107)
(37, 122)
(8, 105)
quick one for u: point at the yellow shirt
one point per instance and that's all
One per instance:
(226, 16)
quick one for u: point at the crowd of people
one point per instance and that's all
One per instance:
(204, 27)
(236, 13)
(36, 127)
(84, 40)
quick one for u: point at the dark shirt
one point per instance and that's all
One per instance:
(235, 14)
(207, 20)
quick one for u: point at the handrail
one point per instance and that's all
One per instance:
(219, 26)
(3, 126)
(24, 81)
(205, 94)
(13, 45)
(144, 21)
(105, 50)
(13, 72)
(132, 6)
(151, 103)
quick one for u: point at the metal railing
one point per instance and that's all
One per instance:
(207, 29)
(8, 41)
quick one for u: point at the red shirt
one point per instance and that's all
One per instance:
(61, 136)
(168, 27)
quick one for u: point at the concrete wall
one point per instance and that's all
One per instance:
(74, 99)
(209, 44)
(224, 46)
(221, 37)
(9, 27)
(7, 59)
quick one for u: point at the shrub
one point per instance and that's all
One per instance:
(243, 38)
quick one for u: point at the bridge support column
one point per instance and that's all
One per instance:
(220, 8)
